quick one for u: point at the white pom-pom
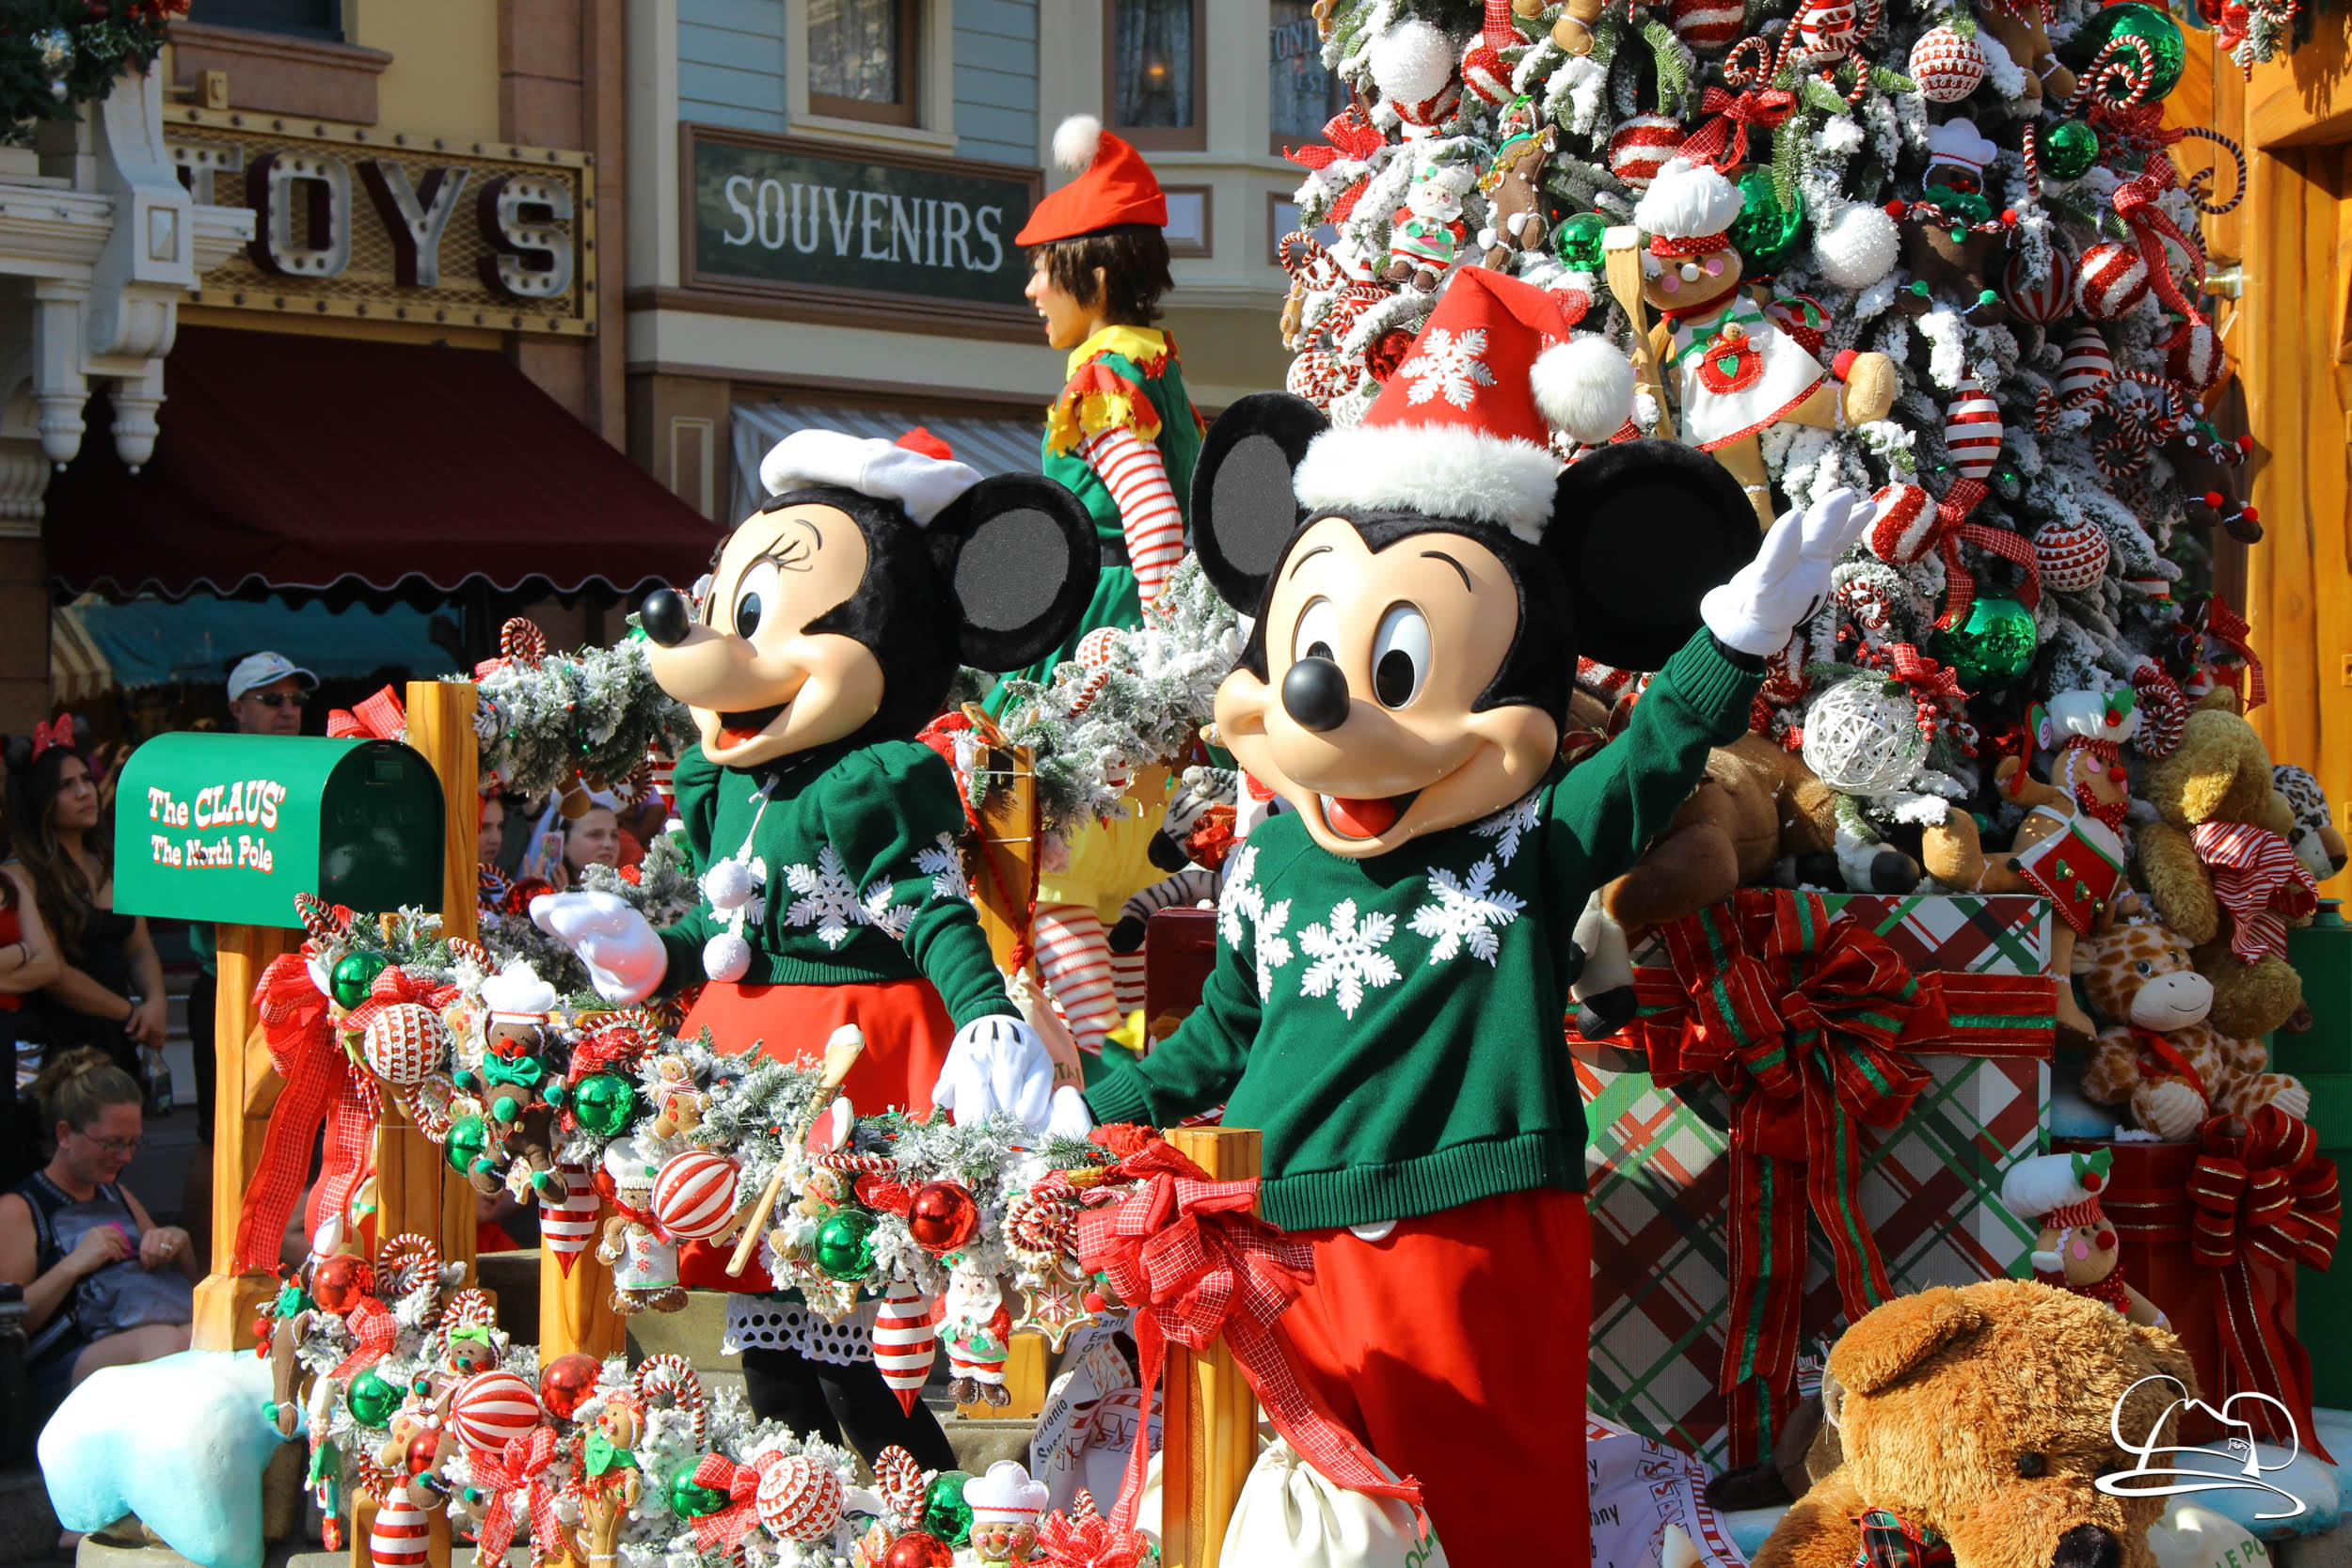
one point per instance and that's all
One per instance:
(726, 957)
(1584, 387)
(1412, 62)
(1857, 246)
(1075, 142)
(727, 885)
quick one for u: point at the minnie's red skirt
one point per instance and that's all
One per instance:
(907, 1032)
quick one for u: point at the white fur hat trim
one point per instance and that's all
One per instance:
(1687, 200)
(1075, 142)
(923, 487)
(1441, 470)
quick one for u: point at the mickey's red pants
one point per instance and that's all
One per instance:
(1456, 1348)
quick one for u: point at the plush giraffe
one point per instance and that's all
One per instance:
(2159, 1055)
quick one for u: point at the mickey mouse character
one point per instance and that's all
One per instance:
(1394, 955)
(824, 835)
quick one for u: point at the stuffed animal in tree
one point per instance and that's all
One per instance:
(1953, 235)
(2077, 1242)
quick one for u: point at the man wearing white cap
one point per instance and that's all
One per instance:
(266, 691)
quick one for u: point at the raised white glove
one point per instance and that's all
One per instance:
(1069, 1117)
(997, 1063)
(626, 959)
(1787, 581)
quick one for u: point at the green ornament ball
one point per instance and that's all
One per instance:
(1993, 646)
(1576, 242)
(469, 1140)
(371, 1400)
(945, 1513)
(603, 1103)
(688, 1500)
(353, 975)
(2068, 150)
(844, 1243)
(2151, 25)
(1767, 229)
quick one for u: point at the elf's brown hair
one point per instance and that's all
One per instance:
(1134, 258)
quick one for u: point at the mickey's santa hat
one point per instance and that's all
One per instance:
(1115, 186)
(1463, 429)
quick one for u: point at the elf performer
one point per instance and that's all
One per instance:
(1123, 437)
(1394, 955)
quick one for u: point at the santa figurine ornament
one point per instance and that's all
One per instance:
(1734, 370)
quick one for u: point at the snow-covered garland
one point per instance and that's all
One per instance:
(545, 719)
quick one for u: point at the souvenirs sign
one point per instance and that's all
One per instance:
(359, 221)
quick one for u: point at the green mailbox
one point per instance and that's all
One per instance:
(228, 827)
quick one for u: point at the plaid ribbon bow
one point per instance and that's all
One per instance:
(521, 1463)
(1723, 141)
(2258, 877)
(377, 718)
(1187, 1254)
(2263, 1194)
(322, 1087)
(1088, 1541)
(1890, 1541)
(1347, 138)
(741, 1482)
(1953, 530)
(394, 985)
(2151, 227)
(374, 1331)
(2226, 626)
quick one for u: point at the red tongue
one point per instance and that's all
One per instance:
(736, 735)
(1360, 818)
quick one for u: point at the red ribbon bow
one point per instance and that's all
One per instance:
(322, 1087)
(2264, 1196)
(1195, 1263)
(2135, 204)
(1349, 138)
(1087, 1543)
(741, 1482)
(2226, 626)
(1723, 141)
(505, 1472)
(2259, 879)
(57, 732)
(377, 718)
(374, 1331)
(394, 985)
(1953, 530)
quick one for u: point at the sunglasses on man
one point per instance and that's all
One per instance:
(275, 700)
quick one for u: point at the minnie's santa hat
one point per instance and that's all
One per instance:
(1463, 428)
(1115, 186)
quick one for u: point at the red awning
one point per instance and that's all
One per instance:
(327, 464)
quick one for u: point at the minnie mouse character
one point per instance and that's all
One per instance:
(1394, 954)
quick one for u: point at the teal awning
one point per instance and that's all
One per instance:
(152, 643)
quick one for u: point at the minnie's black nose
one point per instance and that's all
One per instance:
(666, 617)
(1314, 694)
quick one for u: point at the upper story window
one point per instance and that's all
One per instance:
(1154, 71)
(1303, 93)
(860, 60)
(317, 19)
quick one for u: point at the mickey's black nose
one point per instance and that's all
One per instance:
(1314, 694)
(665, 616)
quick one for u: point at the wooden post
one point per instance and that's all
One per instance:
(1208, 1417)
(440, 727)
(245, 1088)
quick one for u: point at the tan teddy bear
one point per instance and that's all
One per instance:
(1977, 1420)
(2221, 869)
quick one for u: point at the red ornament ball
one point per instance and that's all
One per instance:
(941, 1216)
(1708, 26)
(565, 1383)
(2071, 559)
(423, 1449)
(2112, 283)
(338, 1282)
(1640, 146)
(919, 1549)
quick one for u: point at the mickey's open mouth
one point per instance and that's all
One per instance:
(1365, 818)
(736, 729)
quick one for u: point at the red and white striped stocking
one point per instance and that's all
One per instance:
(1133, 471)
(1076, 961)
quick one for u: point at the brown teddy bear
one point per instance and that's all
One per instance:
(2221, 869)
(1977, 1420)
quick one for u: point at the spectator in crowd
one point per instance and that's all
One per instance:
(28, 960)
(490, 833)
(569, 845)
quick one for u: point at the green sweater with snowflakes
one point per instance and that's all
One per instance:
(1394, 1026)
(854, 873)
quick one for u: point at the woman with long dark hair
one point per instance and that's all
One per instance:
(109, 988)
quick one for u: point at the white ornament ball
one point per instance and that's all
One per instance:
(492, 1408)
(726, 957)
(800, 1500)
(1947, 66)
(1856, 246)
(403, 1043)
(694, 1194)
(1098, 649)
(1864, 739)
(2071, 559)
(1412, 62)
(728, 884)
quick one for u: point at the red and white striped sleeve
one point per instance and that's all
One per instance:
(1132, 469)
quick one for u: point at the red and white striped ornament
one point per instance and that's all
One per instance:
(906, 1343)
(1708, 26)
(2072, 560)
(2085, 368)
(1972, 430)
(490, 1408)
(672, 1377)
(1825, 30)
(568, 1226)
(2041, 297)
(1100, 649)
(2114, 280)
(800, 1500)
(694, 1194)
(403, 1043)
(2193, 356)
(1947, 66)
(1639, 148)
(400, 1535)
(1905, 526)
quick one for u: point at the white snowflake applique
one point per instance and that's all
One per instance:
(830, 902)
(1510, 825)
(1272, 949)
(1450, 365)
(942, 862)
(1347, 957)
(1239, 900)
(1468, 913)
(876, 910)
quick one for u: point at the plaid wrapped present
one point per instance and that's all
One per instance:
(1913, 1137)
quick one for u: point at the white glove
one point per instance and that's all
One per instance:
(1787, 581)
(626, 959)
(997, 1064)
(1069, 1117)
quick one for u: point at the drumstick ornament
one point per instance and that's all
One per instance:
(841, 1055)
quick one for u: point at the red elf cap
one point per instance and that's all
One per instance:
(1115, 186)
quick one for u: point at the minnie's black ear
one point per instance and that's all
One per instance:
(1018, 551)
(1244, 507)
(1642, 529)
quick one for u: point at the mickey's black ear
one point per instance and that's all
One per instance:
(1244, 508)
(1642, 529)
(1018, 551)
